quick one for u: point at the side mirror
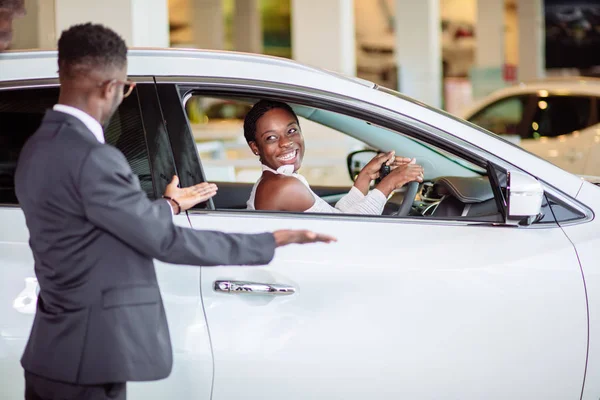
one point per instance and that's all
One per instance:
(357, 160)
(524, 198)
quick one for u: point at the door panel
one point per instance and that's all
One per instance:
(399, 309)
(587, 241)
(21, 112)
(133, 127)
(191, 377)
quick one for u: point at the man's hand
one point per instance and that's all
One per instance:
(190, 196)
(285, 237)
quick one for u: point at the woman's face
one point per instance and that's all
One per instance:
(278, 140)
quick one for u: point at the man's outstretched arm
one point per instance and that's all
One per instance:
(113, 201)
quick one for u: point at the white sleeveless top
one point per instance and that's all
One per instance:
(355, 202)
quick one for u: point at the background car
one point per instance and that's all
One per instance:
(488, 269)
(556, 119)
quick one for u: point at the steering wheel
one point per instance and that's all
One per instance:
(409, 198)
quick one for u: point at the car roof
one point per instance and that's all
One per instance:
(42, 64)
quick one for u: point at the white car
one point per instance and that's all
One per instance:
(484, 282)
(557, 119)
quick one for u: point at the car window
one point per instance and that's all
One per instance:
(126, 133)
(336, 142)
(21, 112)
(559, 115)
(502, 117)
(226, 156)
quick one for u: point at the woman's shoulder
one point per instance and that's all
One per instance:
(280, 183)
(280, 192)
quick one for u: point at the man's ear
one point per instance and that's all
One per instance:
(108, 90)
(254, 147)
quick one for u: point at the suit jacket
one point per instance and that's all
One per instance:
(94, 235)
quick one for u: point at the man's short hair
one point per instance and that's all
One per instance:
(85, 47)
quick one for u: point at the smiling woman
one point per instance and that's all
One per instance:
(273, 133)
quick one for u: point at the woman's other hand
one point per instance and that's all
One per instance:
(400, 161)
(400, 176)
(371, 170)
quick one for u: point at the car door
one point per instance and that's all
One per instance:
(138, 131)
(398, 307)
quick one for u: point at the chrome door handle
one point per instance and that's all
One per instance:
(235, 287)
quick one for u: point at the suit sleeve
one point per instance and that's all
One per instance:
(113, 201)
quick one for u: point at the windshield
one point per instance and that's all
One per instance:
(439, 162)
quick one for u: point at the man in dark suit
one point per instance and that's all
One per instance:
(100, 320)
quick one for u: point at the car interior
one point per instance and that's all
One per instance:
(453, 187)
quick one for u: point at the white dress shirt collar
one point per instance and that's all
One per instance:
(84, 117)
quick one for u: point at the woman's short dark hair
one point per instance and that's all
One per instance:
(90, 46)
(260, 109)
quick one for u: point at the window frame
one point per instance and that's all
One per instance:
(392, 120)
